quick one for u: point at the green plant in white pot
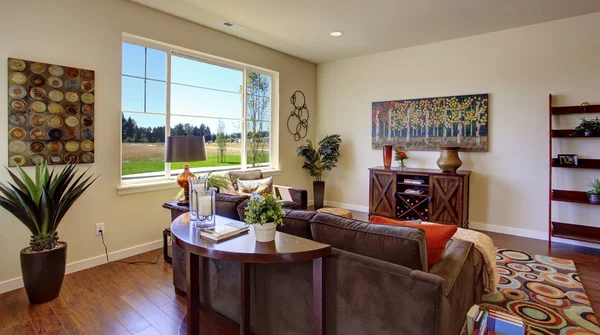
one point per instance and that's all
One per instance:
(40, 202)
(263, 214)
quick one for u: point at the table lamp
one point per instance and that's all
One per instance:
(185, 149)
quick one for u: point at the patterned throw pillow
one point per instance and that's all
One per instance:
(260, 186)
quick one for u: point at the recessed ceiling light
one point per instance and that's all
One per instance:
(336, 33)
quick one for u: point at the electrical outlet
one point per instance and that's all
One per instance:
(100, 227)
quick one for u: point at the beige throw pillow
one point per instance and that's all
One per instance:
(260, 186)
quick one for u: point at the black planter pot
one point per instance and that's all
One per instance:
(43, 273)
(319, 190)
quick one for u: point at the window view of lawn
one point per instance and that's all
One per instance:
(150, 157)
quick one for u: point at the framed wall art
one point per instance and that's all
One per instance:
(50, 113)
(431, 123)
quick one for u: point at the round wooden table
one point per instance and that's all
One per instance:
(245, 250)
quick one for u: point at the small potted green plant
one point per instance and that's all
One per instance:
(594, 193)
(40, 203)
(588, 127)
(263, 214)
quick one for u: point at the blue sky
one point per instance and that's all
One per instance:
(222, 100)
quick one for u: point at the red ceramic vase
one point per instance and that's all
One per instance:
(387, 156)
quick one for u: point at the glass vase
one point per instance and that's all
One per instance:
(387, 156)
(202, 204)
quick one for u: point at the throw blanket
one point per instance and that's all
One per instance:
(485, 245)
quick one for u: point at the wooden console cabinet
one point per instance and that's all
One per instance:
(441, 197)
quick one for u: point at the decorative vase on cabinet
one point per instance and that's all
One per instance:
(449, 160)
(387, 156)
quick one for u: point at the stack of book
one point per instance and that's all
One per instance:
(414, 181)
(480, 322)
(225, 231)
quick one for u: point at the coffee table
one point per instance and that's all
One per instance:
(245, 250)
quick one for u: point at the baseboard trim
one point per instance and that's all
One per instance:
(538, 235)
(346, 206)
(16, 283)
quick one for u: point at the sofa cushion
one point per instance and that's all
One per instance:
(260, 186)
(399, 245)
(437, 235)
(297, 223)
(244, 175)
(227, 205)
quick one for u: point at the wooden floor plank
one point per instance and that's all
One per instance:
(43, 318)
(154, 315)
(22, 328)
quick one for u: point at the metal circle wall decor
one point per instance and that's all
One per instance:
(297, 122)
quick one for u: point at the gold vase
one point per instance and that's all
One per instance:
(449, 160)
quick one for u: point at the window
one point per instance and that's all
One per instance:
(167, 91)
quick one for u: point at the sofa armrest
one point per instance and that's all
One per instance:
(451, 263)
(296, 195)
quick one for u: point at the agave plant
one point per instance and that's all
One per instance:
(41, 203)
(324, 159)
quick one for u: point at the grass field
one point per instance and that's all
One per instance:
(150, 157)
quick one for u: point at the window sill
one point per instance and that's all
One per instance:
(170, 184)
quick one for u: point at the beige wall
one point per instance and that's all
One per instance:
(518, 68)
(87, 34)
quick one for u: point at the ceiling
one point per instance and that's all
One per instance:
(301, 27)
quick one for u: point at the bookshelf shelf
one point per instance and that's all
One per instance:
(575, 232)
(412, 194)
(416, 185)
(571, 196)
(568, 133)
(565, 230)
(575, 110)
(582, 164)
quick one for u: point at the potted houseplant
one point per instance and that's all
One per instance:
(40, 202)
(588, 127)
(263, 214)
(594, 193)
(317, 161)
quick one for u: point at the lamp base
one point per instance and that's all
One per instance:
(182, 180)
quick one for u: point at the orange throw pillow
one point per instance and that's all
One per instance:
(437, 235)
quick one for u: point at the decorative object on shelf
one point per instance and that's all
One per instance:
(567, 159)
(46, 119)
(400, 156)
(387, 156)
(449, 160)
(594, 193)
(297, 122)
(202, 203)
(264, 213)
(318, 161)
(185, 149)
(40, 203)
(431, 123)
(588, 127)
(584, 106)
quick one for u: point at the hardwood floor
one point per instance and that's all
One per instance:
(118, 298)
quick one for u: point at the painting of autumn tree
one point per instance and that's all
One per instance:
(431, 123)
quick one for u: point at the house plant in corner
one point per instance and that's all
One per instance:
(588, 127)
(40, 203)
(594, 193)
(263, 214)
(318, 161)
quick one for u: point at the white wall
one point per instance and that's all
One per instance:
(518, 68)
(87, 34)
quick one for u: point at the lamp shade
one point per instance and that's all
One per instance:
(185, 149)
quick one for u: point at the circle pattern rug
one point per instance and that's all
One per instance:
(545, 292)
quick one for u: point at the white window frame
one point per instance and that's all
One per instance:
(160, 180)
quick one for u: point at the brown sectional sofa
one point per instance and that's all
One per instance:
(376, 279)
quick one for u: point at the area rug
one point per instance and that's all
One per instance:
(546, 292)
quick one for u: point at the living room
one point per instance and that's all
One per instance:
(148, 57)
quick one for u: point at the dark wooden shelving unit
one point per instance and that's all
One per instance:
(565, 230)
